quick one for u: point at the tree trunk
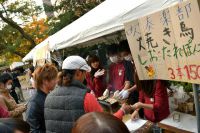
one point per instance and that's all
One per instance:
(47, 5)
(17, 27)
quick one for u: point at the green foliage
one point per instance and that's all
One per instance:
(7, 38)
(12, 41)
(13, 45)
(59, 23)
(20, 10)
(69, 11)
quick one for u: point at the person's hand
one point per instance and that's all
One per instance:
(92, 92)
(137, 105)
(106, 93)
(126, 108)
(135, 115)
(116, 94)
(99, 73)
(124, 94)
(24, 107)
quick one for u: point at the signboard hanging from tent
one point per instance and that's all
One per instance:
(41, 55)
(166, 45)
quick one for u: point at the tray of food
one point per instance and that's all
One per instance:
(102, 98)
(111, 101)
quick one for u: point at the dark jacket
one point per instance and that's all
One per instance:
(63, 107)
(129, 71)
(35, 112)
(16, 82)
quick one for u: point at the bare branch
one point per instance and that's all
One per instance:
(18, 28)
(4, 9)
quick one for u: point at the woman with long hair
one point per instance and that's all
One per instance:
(96, 79)
(153, 98)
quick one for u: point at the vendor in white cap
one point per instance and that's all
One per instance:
(66, 104)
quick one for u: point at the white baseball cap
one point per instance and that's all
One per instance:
(75, 63)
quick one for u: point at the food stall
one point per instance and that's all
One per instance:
(165, 46)
(86, 32)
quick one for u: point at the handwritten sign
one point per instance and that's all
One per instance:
(41, 55)
(24, 81)
(166, 45)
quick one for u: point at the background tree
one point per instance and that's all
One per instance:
(14, 47)
(21, 11)
(17, 37)
(67, 11)
(20, 29)
(47, 4)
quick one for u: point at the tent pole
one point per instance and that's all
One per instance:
(196, 92)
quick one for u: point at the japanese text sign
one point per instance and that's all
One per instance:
(166, 45)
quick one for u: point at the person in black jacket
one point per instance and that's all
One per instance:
(45, 80)
(16, 91)
(11, 125)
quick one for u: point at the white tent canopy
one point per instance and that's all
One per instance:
(16, 65)
(107, 18)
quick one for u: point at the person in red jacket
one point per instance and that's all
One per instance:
(74, 70)
(96, 79)
(4, 113)
(153, 98)
(117, 72)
